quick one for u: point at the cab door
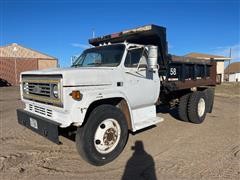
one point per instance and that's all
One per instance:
(142, 85)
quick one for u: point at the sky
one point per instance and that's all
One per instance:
(62, 28)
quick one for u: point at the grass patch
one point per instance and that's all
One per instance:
(228, 89)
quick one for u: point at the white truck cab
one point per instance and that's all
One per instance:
(117, 71)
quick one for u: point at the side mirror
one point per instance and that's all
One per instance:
(152, 57)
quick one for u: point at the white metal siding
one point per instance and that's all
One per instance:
(220, 68)
(234, 77)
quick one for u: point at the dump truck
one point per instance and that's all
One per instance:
(114, 88)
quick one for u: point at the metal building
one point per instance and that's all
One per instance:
(233, 70)
(15, 59)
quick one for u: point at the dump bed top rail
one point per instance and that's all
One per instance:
(183, 59)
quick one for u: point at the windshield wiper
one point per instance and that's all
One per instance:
(75, 65)
(95, 63)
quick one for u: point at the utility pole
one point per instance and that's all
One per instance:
(93, 33)
(230, 54)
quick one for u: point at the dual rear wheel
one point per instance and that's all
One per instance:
(193, 107)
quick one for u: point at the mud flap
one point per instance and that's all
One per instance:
(40, 125)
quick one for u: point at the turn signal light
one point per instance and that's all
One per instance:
(76, 95)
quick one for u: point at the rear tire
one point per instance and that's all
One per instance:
(197, 107)
(104, 135)
(183, 107)
(209, 92)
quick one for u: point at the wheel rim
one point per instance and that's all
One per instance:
(107, 136)
(201, 107)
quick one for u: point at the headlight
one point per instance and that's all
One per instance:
(55, 90)
(25, 87)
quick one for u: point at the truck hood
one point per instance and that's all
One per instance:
(81, 76)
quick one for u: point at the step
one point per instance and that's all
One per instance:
(147, 122)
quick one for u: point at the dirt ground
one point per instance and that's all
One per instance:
(172, 150)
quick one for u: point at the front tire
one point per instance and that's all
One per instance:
(104, 135)
(197, 107)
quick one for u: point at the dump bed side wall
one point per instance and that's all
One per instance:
(185, 75)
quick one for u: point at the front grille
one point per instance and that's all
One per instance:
(40, 110)
(41, 89)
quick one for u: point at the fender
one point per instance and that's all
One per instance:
(92, 97)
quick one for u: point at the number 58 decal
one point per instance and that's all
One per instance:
(173, 71)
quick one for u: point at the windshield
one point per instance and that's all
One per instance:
(107, 56)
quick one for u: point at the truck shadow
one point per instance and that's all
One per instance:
(69, 132)
(170, 110)
(140, 166)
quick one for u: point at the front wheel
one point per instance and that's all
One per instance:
(104, 135)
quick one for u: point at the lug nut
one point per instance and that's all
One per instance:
(102, 126)
(97, 141)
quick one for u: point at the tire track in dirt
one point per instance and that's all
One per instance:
(12, 161)
(44, 162)
(223, 165)
(27, 159)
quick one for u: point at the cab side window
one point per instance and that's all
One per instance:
(133, 57)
